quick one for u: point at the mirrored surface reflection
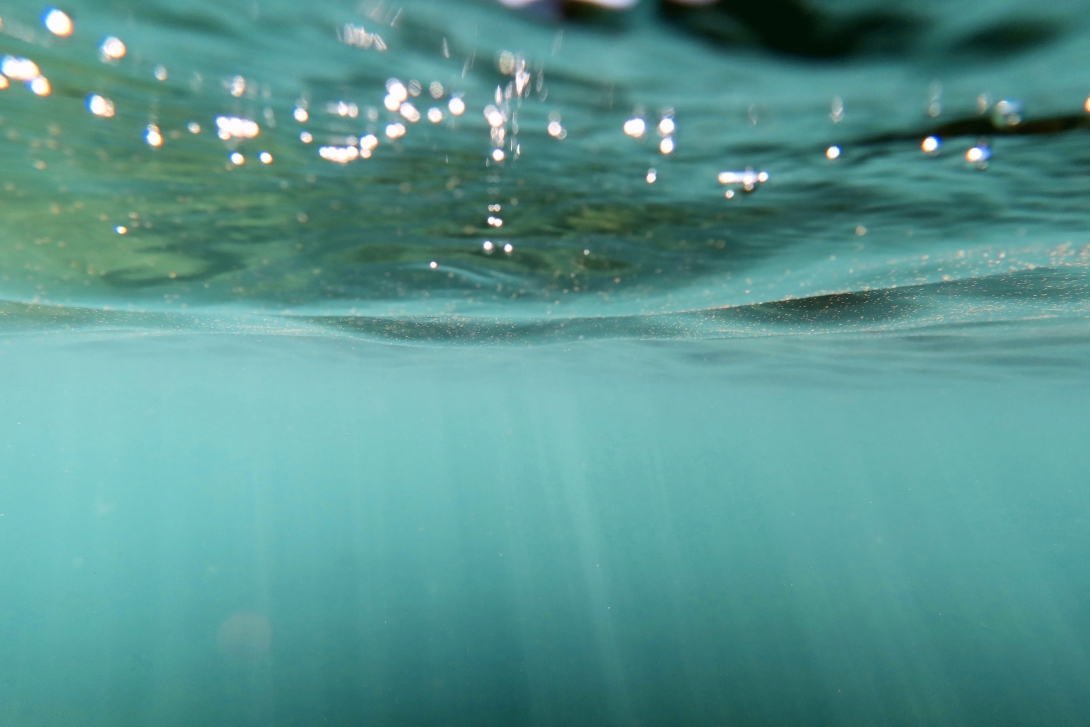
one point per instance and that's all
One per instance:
(382, 157)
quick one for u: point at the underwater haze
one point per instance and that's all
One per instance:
(446, 363)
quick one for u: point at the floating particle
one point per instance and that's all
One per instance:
(522, 78)
(934, 107)
(666, 146)
(396, 90)
(667, 126)
(19, 69)
(301, 114)
(40, 86)
(436, 90)
(1007, 113)
(4, 83)
(395, 131)
(357, 36)
(265, 157)
(153, 136)
(193, 127)
(343, 109)
(488, 246)
(237, 86)
(494, 116)
(635, 127)
(498, 155)
(305, 137)
(161, 73)
(508, 248)
(747, 179)
(978, 154)
(457, 106)
(369, 142)
(433, 265)
(339, 154)
(652, 176)
(836, 110)
(931, 144)
(435, 115)
(234, 127)
(833, 152)
(237, 159)
(410, 113)
(121, 230)
(101, 106)
(112, 49)
(57, 22)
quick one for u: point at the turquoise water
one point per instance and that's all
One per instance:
(290, 444)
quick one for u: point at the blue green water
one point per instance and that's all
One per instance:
(299, 448)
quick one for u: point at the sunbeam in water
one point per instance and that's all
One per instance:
(486, 362)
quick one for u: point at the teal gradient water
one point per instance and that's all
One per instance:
(814, 455)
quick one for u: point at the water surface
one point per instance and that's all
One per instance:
(560, 435)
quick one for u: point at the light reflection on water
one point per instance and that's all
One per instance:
(366, 161)
(258, 464)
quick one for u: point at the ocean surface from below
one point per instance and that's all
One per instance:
(313, 411)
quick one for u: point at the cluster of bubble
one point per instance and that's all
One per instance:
(1004, 115)
(357, 36)
(746, 180)
(502, 114)
(488, 246)
(403, 101)
(111, 50)
(399, 99)
(636, 127)
(14, 68)
(24, 70)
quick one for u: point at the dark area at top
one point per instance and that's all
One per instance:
(800, 29)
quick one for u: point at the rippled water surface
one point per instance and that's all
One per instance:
(437, 363)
